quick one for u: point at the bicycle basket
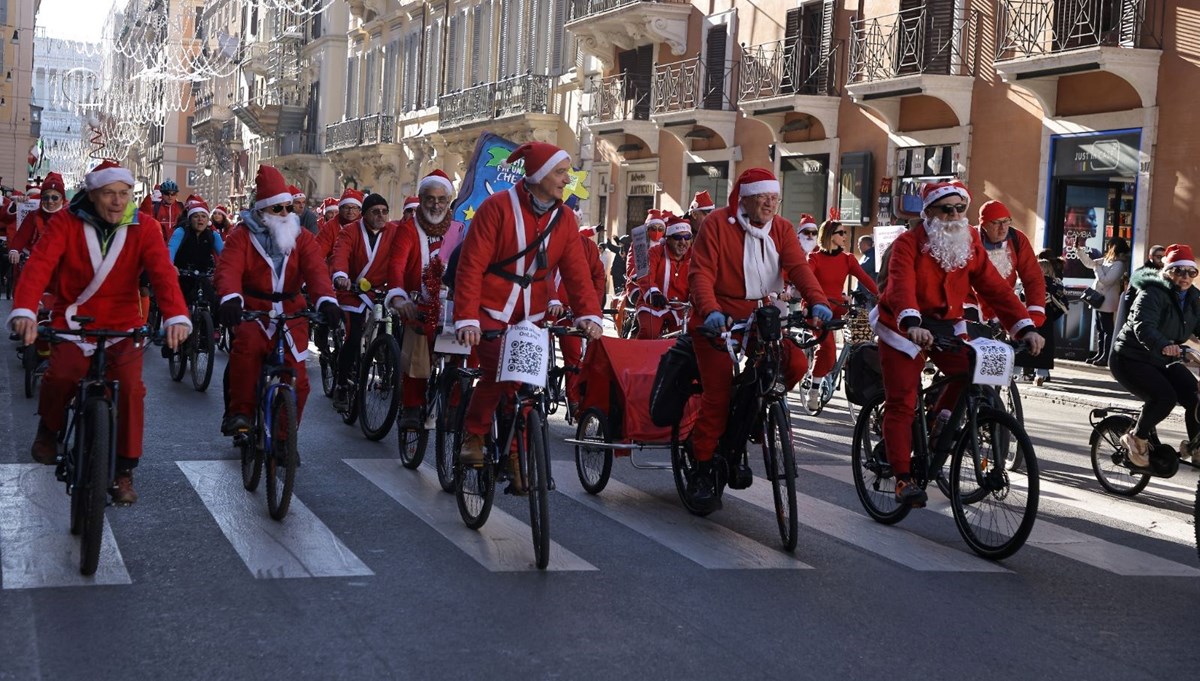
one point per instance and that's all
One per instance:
(858, 329)
(675, 381)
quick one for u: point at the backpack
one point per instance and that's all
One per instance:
(864, 377)
(676, 380)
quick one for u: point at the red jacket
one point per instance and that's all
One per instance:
(32, 228)
(96, 282)
(411, 255)
(328, 235)
(354, 259)
(717, 277)
(917, 286)
(667, 276)
(246, 272)
(591, 253)
(1024, 266)
(832, 269)
(499, 232)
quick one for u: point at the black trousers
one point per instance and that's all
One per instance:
(1160, 388)
(348, 358)
(1104, 334)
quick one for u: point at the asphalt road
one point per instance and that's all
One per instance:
(372, 575)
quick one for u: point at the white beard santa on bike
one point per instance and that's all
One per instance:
(931, 270)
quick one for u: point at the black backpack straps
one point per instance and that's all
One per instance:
(497, 268)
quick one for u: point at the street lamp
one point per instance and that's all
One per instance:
(208, 171)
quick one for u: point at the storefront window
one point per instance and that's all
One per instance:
(710, 177)
(854, 188)
(804, 181)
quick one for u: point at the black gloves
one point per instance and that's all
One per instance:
(331, 313)
(230, 312)
(658, 300)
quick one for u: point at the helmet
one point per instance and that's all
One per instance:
(170, 186)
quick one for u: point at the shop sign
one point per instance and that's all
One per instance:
(1103, 155)
(643, 183)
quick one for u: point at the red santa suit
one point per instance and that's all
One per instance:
(572, 346)
(1015, 255)
(93, 278)
(832, 268)
(504, 225)
(355, 258)
(246, 271)
(667, 275)
(328, 233)
(919, 289)
(732, 272)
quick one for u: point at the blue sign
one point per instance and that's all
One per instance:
(487, 173)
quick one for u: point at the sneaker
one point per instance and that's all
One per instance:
(45, 446)
(1139, 450)
(909, 493)
(702, 489)
(1040, 380)
(471, 453)
(740, 475)
(410, 419)
(814, 397)
(122, 490)
(1187, 452)
(236, 424)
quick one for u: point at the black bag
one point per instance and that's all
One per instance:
(864, 377)
(676, 380)
(1092, 298)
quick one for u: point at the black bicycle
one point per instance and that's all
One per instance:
(994, 506)
(271, 442)
(758, 414)
(447, 393)
(87, 447)
(197, 351)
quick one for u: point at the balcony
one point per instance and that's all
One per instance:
(689, 98)
(256, 58)
(791, 75)
(276, 111)
(1040, 41)
(504, 99)
(291, 144)
(360, 132)
(604, 25)
(209, 114)
(927, 50)
(622, 106)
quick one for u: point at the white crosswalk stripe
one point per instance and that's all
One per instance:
(36, 548)
(697, 539)
(503, 544)
(298, 546)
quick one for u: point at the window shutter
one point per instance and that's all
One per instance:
(714, 76)
(940, 32)
(507, 9)
(452, 79)
(793, 53)
(476, 47)
(563, 40)
(351, 79)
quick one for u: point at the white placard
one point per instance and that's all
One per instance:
(884, 235)
(24, 209)
(993, 362)
(640, 243)
(447, 340)
(524, 355)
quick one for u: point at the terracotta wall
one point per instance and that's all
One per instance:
(1175, 194)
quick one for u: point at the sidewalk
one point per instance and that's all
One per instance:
(1078, 384)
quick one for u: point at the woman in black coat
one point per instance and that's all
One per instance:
(1148, 351)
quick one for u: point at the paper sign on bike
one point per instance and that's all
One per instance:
(447, 341)
(524, 356)
(993, 362)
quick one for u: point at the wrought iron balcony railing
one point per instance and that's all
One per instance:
(1030, 28)
(913, 41)
(291, 144)
(789, 67)
(586, 8)
(622, 97)
(343, 135)
(378, 129)
(356, 132)
(688, 85)
(515, 96)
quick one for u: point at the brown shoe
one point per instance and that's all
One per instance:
(45, 446)
(516, 480)
(471, 453)
(122, 490)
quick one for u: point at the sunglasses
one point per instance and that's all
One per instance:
(952, 208)
(840, 232)
(378, 211)
(279, 208)
(1189, 272)
(681, 237)
(169, 193)
(51, 198)
(810, 232)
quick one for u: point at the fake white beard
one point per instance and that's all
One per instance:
(808, 243)
(285, 229)
(433, 217)
(1002, 259)
(949, 242)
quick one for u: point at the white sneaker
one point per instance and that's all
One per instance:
(814, 397)
(1186, 451)
(1138, 449)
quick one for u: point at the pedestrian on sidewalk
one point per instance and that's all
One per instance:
(1109, 272)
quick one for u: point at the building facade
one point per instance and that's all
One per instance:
(19, 117)
(58, 65)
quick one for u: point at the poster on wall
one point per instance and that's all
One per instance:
(1082, 227)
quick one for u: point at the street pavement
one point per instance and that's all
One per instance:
(373, 576)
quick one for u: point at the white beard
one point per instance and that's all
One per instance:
(285, 229)
(949, 242)
(433, 217)
(808, 243)
(1002, 259)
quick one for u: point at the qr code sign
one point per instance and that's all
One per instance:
(525, 358)
(993, 362)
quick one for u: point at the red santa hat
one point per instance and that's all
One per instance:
(351, 197)
(806, 221)
(108, 172)
(993, 210)
(270, 188)
(54, 182)
(678, 225)
(752, 182)
(412, 203)
(540, 159)
(702, 201)
(156, 194)
(297, 193)
(437, 179)
(1179, 255)
(656, 216)
(330, 203)
(932, 191)
(222, 210)
(194, 205)
(33, 190)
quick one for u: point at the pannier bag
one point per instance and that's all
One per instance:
(864, 378)
(674, 382)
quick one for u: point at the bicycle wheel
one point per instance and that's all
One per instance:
(201, 354)
(873, 479)
(536, 467)
(1110, 460)
(779, 457)
(683, 467)
(177, 361)
(29, 362)
(994, 508)
(593, 464)
(449, 436)
(281, 457)
(413, 442)
(1010, 402)
(328, 374)
(379, 384)
(252, 462)
(474, 490)
(96, 458)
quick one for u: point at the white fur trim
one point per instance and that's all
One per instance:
(434, 179)
(393, 294)
(970, 306)
(679, 228)
(464, 323)
(325, 299)
(589, 318)
(340, 274)
(943, 192)
(889, 335)
(178, 319)
(272, 200)
(349, 201)
(558, 157)
(910, 312)
(760, 187)
(809, 224)
(1020, 326)
(231, 296)
(299, 195)
(1036, 308)
(1180, 263)
(19, 313)
(100, 178)
(198, 209)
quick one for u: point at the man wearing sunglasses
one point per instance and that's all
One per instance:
(1012, 255)
(263, 267)
(52, 200)
(167, 210)
(666, 281)
(930, 272)
(349, 211)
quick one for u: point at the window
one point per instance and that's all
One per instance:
(563, 54)
(433, 52)
(351, 88)
(514, 43)
(191, 138)
(3, 11)
(369, 85)
(390, 59)
(453, 65)
(412, 51)
(199, 27)
(481, 45)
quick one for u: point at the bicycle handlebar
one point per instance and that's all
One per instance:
(199, 274)
(53, 335)
(251, 315)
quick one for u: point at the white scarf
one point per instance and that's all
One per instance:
(760, 260)
(1002, 259)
